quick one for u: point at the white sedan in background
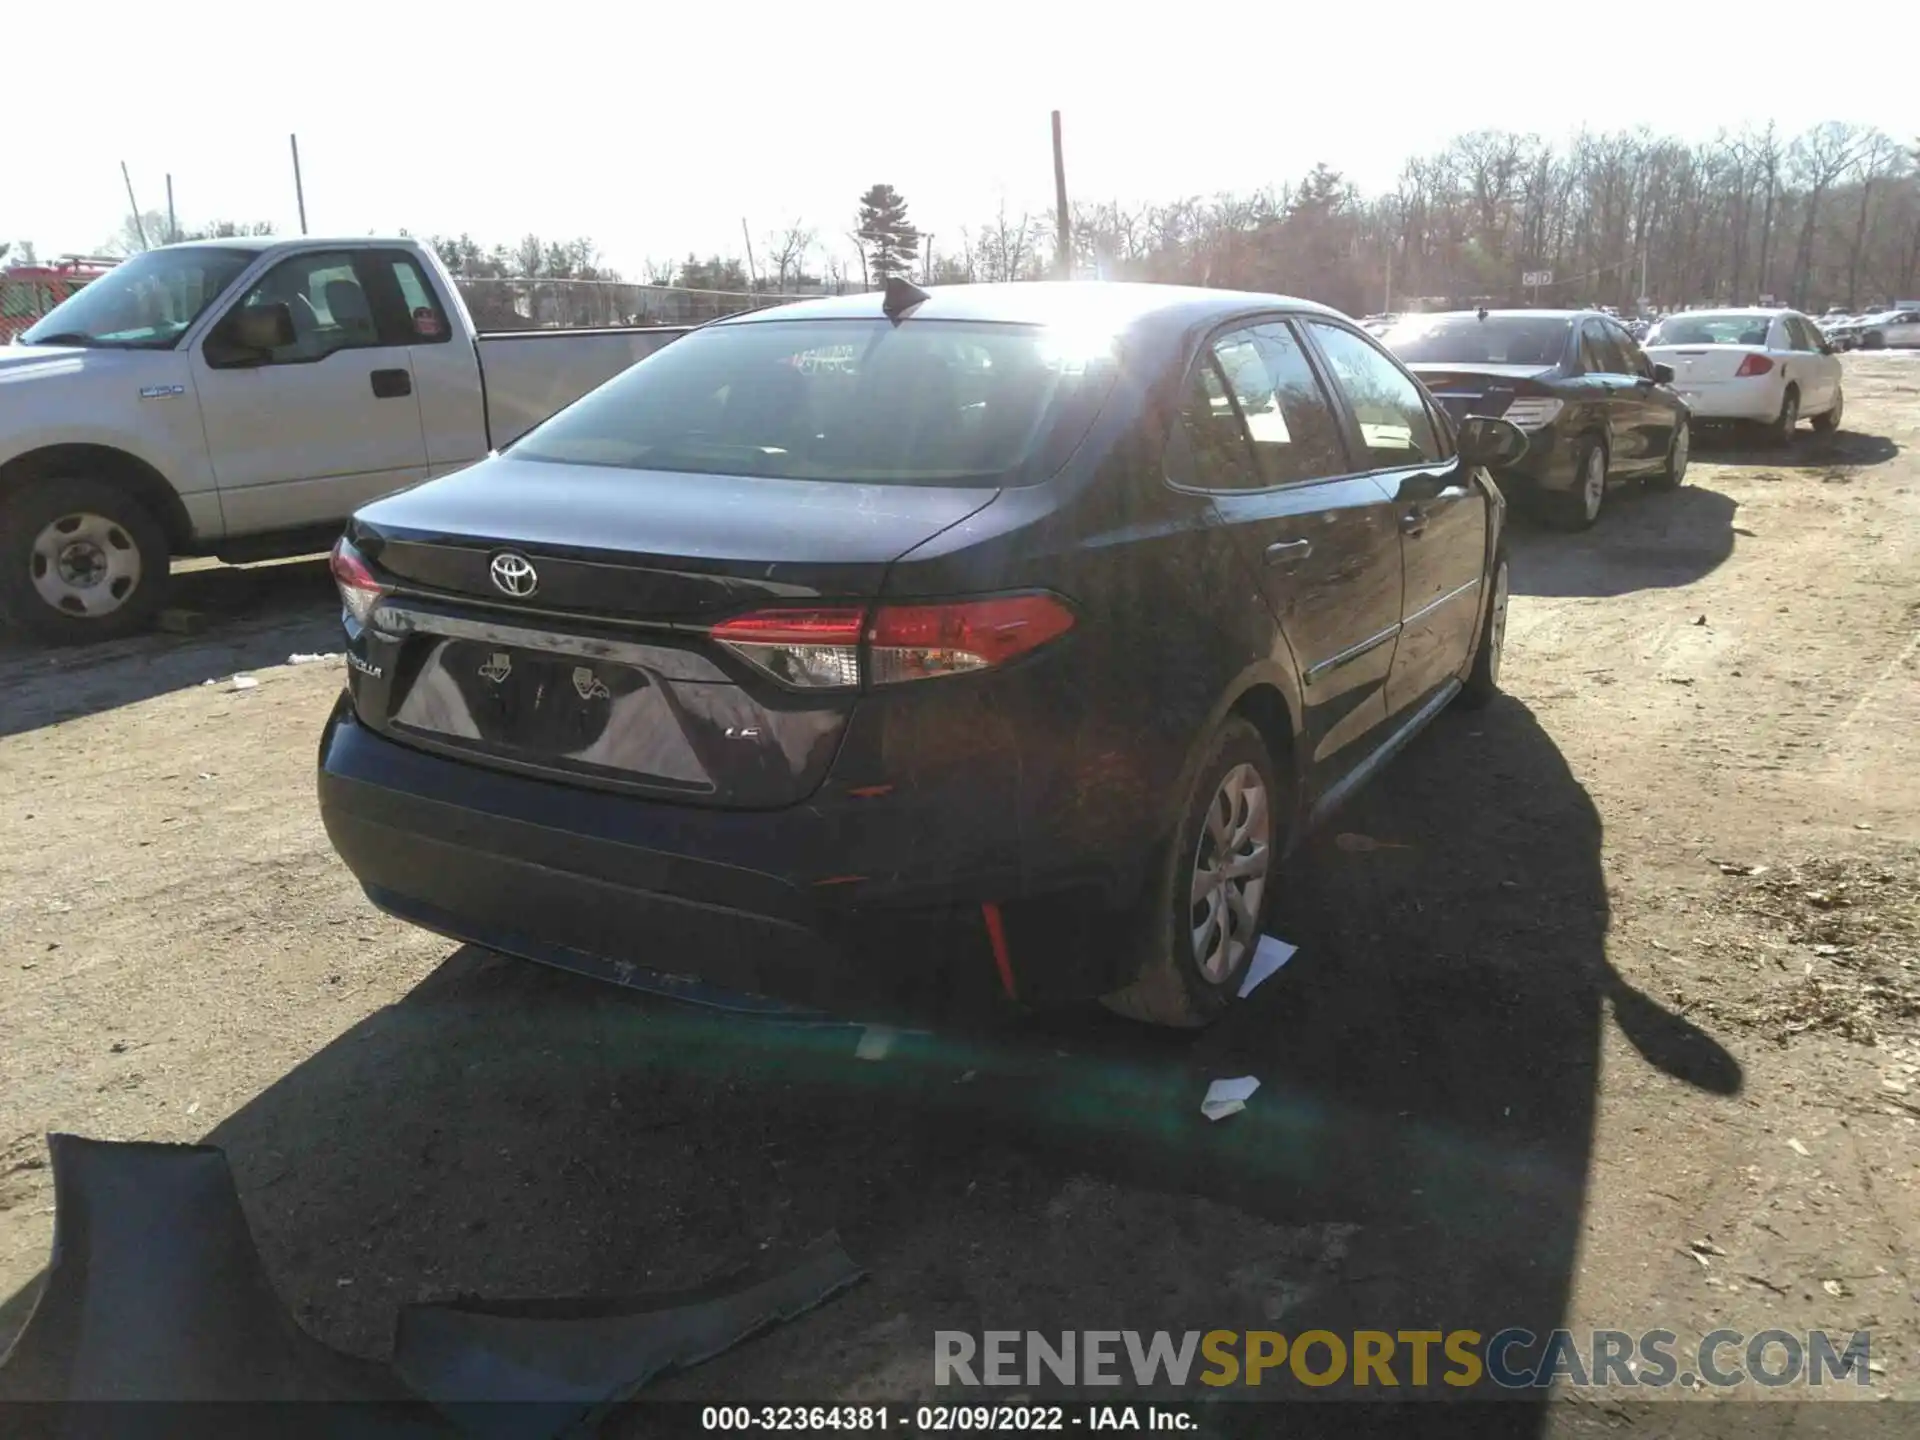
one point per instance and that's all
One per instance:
(1770, 367)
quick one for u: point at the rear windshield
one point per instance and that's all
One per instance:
(919, 403)
(1469, 340)
(1711, 330)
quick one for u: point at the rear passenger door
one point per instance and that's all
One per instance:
(1260, 436)
(1440, 510)
(1608, 370)
(1649, 413)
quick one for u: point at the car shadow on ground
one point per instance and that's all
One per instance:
(1741, 445)
(1644, 540)
(1416, 1156)
(237, 618)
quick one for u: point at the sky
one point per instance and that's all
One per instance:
(655, 130)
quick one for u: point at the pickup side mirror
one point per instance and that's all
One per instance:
(1662, 374)
(250, 334)
(1487, 441)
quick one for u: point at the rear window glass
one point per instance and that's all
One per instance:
(1711, 330)
(1468, 340)
(920, 403)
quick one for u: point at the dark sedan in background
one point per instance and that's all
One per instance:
(1597, 410)
(1062, 608)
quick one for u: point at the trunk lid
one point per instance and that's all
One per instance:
(1464, 390)
(602, 674)
(1695, 365)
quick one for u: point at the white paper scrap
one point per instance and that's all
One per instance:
(244, 682)
(1228, 1097)
(875, 1042)
(1268, 956)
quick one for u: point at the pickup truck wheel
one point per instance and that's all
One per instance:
(1200, 925)
(79, 561)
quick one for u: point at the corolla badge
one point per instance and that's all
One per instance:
(514, 575)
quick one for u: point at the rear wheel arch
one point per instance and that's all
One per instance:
(111, 466)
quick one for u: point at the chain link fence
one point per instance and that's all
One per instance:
(583, 304)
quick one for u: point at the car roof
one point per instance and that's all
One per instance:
(1121, 304)
(258, 243)
(1508, 314)
(1736, 310)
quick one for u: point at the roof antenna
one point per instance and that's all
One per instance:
(902, 295)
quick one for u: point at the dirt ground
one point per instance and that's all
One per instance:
(1623, 1030)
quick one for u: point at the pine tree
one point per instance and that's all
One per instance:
(890, 238)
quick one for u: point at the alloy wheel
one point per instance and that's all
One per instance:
(84, 564)
(1230, 865)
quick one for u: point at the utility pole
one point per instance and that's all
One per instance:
(1386, 307)
(753, 275)
(139, 225)
(926, 265)
(299, 190)
(1640, 300)
(173, 225)
(1063, 262)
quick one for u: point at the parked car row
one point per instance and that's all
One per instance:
(1877, 330)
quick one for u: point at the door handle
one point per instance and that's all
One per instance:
(1289, 552)
(1413, 522)
(392, 384)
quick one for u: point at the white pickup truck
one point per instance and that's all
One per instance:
(240, 398)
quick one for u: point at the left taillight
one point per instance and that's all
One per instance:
(359, 591)
(835, 648)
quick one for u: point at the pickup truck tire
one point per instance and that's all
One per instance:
(80, 560)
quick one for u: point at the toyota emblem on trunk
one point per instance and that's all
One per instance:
(514, 575)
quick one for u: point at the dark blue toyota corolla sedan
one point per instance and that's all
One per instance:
(1065, 608)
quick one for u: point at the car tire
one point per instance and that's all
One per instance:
(1828, 423)
(1183, 979)
(1483, 681)
(1875, 340)
(1674, 474)
(80, 561)
(1579, 508)
(1781, 431)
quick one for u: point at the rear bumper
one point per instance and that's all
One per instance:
(824, 904)
(1755, 399)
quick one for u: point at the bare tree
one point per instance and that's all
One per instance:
(787, 251)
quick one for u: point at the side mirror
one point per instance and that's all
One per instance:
(1662, 374)
(1487, 441)
(1826, 347)
(250, 335)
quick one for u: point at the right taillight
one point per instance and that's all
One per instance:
(1751, 366)
(359, 591)
(836, 647)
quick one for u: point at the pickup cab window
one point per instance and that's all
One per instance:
(426, 322)
(325, 300)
